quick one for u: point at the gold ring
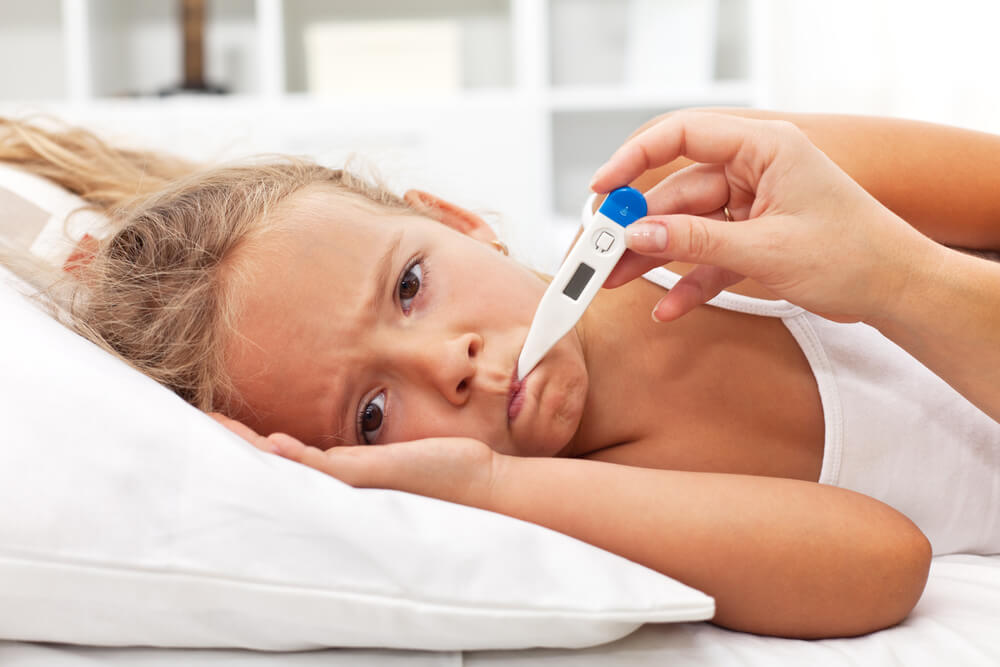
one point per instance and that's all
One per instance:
(725, 212)
(500, 245)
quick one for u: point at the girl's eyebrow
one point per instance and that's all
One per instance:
(383, 271)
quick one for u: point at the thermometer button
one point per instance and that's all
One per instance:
(603, 241)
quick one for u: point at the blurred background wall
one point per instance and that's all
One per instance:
(925, 59)
(504, 106)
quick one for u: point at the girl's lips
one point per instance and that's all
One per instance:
(515, 399)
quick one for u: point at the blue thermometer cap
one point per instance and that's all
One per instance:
(624, 206)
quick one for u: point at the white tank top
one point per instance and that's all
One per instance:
(894, 430)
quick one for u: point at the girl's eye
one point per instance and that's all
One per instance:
(409, 286)
(370, 418)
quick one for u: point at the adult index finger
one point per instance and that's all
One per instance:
(702, 136)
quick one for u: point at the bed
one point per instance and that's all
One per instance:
(955, 623)
(137, 531)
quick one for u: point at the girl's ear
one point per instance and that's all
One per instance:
(456, 217)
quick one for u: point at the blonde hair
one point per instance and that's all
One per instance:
(159, 292)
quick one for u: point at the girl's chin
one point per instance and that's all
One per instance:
(545, 409)
(548, 423)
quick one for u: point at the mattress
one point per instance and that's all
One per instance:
(955, 623)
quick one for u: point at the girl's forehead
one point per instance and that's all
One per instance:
(339, 232)
(320, 203)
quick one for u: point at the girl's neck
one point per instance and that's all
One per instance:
(612, 335)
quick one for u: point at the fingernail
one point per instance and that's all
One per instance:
(598, 175)
(646, 237)
(655, 318)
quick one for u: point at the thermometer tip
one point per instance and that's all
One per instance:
(524, 366)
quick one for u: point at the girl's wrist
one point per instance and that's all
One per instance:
(489, 495)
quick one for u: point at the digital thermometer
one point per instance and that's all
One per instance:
(582, 273)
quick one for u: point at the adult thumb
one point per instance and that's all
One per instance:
(696, 240)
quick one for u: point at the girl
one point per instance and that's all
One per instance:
(305, 303)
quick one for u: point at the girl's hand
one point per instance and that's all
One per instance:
(801, 227)
(459, 470)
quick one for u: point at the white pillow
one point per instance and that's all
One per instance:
(127, 517)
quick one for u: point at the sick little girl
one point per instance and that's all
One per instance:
(755, 451)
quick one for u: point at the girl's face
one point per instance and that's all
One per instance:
(362, 326)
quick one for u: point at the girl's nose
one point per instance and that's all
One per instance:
(450, 366)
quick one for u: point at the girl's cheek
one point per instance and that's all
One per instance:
(402, 425)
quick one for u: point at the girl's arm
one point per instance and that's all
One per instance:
(944, 181)
(780, 557)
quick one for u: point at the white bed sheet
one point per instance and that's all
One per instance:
(956, 623)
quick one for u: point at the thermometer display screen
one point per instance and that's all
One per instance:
(580, 278)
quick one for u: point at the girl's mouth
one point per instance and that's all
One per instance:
(515, 396)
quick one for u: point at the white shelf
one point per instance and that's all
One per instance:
(270, 17)
(32, 50)
(548, 88)
(101, 48)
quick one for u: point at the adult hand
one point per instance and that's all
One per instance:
(801, 227)
(459, 470)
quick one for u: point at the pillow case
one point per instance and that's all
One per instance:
(36, 216)
(127, 517)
